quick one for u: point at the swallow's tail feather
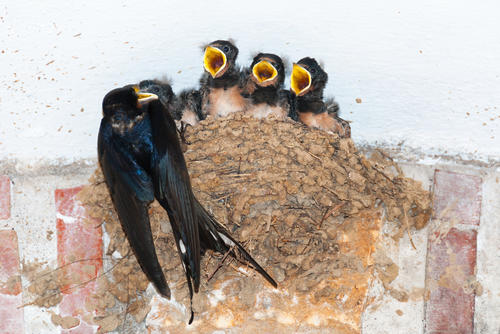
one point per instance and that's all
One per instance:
(215, 237)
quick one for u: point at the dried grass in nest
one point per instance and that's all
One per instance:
(284, 191)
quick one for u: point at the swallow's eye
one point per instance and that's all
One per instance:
(225, 49)
(313, 70)
(156, 89)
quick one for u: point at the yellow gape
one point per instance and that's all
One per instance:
(264, 71)
(214, 61)
(300, 81)
(143, 97)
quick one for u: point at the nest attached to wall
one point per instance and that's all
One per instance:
(293, 196)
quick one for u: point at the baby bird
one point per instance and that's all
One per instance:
(185, 108)
(219, 85)
(308, 81)
(262, 84)
(163, 91)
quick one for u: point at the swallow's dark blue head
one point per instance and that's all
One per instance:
(268, 70)
(220, 56)
(307, 76)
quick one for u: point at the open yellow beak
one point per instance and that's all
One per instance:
(214, 61)
(143, 97)
(300, 80)
(264, 71)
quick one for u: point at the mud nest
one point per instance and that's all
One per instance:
(288, 193)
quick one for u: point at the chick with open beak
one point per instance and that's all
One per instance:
(220, 84)
(215, 61)
(265, 70)
(307, 82)
(262, 84)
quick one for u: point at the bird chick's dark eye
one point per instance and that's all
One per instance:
(225, 49)
(156, 89)
(313, 70)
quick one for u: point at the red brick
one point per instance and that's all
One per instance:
(457, 197)
(77, 240)
(451, 257)
(451, 262)
(4, 197)
(11, 317)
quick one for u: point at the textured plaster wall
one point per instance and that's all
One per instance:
(427, 73)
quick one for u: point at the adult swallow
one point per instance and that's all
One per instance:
(125, 151)
(141, 159)
(307, 82)
(262, 83)
(220, 84)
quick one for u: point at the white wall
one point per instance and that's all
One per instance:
(428, 72)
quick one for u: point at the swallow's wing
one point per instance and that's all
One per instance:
(173, 189)
(287, 101)
(244, 82)
(332, 107)
(188, 106)
(343, 128)
(131, 190)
